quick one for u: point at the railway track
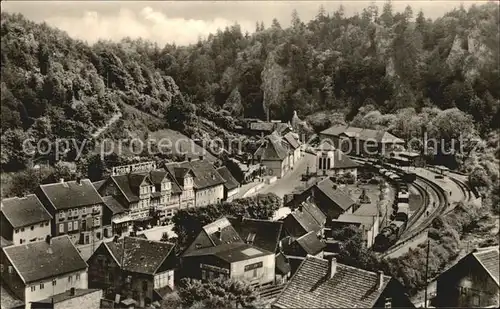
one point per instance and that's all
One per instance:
(417, 230)
(425, 204)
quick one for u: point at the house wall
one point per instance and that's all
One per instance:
(466, 285)
(10, 277)
(73, 221)
(231, 193)
(104, 273)
(56, 285)
(31, 233)
(209, 196)
(87, 301)
(165, 278)
(6, 230)
(263, 274)
(276, 168)
(395, 295)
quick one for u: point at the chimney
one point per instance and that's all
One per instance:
(48, 239)
(61, 180)
(332, 267)
(72, 292)
(301, 207)
(380, 279)
(189, 159)
(201, 157)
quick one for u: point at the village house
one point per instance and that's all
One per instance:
(369, 226)
(274, 156)
(266, 235)
(231, 185)
(133, 270)
(24, 219)
(39, 270)
(473, 282)
(306, 218)
(361, 142)
(219, 250)
(206, 184)
(321, 283)
(326, 195)
(292, 142)
(76, 208)
(307, 244)
(333, 162)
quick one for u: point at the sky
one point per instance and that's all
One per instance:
(183, 22)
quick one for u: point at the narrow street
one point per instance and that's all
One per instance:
(293, 178)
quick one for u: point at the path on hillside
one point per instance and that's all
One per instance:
(108, 123)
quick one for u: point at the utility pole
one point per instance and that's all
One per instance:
(427, 272)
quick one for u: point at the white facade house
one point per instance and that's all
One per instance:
(333, 162)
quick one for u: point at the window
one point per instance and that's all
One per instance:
(70, 278)
(54, 282)
(388, 303)
(17, 231)
(70, 226)
(22, 229)
(61, 228)
(84, 210)
(62, 215)
(75, 225)
(33, 288)
(47, 223)
(11, 270)
(21, 241)
(32, 227)
(77, 277)
(1, 268)
(144, 285)
(41, 224)
(41, 286)
(475, 300)
(254, 275)
(203, 274)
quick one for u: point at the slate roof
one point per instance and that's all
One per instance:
(205, 175)
(40, 260)
(232, 252)
(338, 197)
(291, 140)
(271, 150)
(489, 259)
(70, 194)
(9, 300)
(113, 205)
(24, 211)
(311, 243)
(341, 161)
(5, 243)
(362, 134)
(140, 255)
(98, 184)
(311, 288)
(231, 182)
(265, 233)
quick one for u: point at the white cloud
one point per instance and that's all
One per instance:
(146, 23)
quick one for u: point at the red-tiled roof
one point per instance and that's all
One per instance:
(23, 211)
(311, 287)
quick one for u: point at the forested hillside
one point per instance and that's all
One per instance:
(56, 86)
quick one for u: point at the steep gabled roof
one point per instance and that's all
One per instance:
(338, 197)
(204, 173)
(489, 259)
(113, 205)
(271, 150)
(129, 184)
(311, 243)
(231, 182)
(40, 260)
(304, 219)
(140, 255)
(291, 140)
(221, 232)
(23, 211)
(311, 287)
(70, 194)
(264, 234)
